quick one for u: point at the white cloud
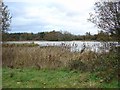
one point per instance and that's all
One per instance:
(70, 15)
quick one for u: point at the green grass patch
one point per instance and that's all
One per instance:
(45, 78)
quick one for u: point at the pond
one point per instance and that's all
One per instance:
(74, 45)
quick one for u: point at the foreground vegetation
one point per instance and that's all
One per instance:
(45, 78)
(34, 66)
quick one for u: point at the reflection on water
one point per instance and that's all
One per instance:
(74, 45)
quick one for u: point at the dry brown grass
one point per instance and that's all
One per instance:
(43, 57)
(40, 57)
(52, 57)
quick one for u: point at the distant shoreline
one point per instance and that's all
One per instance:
(60, 41)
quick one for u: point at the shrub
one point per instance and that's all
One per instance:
(77, 65)
(107, 66)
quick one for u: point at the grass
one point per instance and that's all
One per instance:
(40, 67)
(45, 78)
(40, 57)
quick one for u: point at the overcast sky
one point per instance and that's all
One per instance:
(47, 15)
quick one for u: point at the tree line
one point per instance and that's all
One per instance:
(57, 36)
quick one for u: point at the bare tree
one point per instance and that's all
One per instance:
(107, 17)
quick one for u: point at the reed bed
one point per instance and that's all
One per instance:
(105, 65)
(42, 57)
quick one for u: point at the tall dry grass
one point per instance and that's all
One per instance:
(105, 64)
(40, 57)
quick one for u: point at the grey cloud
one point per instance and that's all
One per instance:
(16, 9)
(22, 22)
(72, 14)
(63, 9)
(28, 28)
